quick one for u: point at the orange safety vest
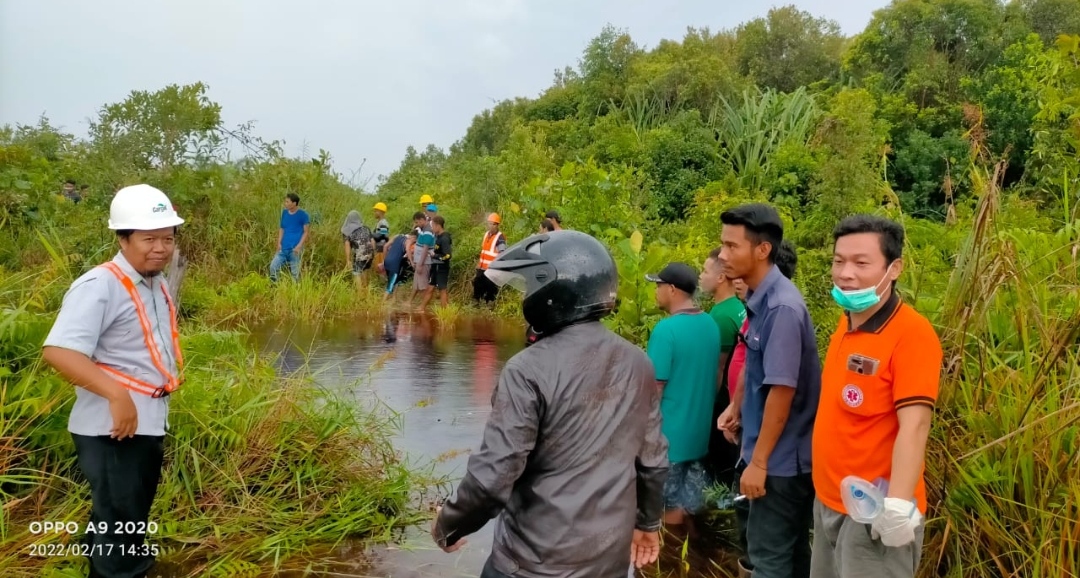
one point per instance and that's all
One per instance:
(172, 382)
(487, 249)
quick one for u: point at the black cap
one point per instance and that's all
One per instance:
(682, 276)
(553, 214)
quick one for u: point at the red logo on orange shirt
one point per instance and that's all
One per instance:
(853, 396)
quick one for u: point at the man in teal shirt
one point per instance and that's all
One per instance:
(729, 313)
(685, 352)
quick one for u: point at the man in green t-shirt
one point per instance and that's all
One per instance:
(685, 351)
(729, 313)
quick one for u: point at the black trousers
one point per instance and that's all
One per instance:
(123, 477)
(484, 289)
(775, 529)
(723, 455)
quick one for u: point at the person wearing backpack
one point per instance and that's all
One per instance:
(359, 244)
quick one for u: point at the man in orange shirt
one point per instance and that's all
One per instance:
(878, 389)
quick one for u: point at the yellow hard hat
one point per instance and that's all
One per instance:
(426, 199)
(380, 207)
(494, 218)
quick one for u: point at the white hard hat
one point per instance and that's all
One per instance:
(142, 208)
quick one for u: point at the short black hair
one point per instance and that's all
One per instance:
(889, 232)
(553, 215)
(419, 215)
(293, 197)
(787, 259)
(438, 220)
(70, 182)
(762, 224)
(715, 254)
(546, 225)
(83, 187)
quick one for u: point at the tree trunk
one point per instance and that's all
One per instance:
(177, 268)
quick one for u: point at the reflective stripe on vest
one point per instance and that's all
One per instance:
(172, 383)
(487, 249)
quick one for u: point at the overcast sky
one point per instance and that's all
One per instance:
(362, 79)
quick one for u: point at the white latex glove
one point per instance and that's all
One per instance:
(896, 524)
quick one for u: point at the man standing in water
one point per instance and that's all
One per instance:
(780, 396)
(573, 441)
(116, 340)
(292, 234)
(440, 263)
(878, 391)
(419, 251)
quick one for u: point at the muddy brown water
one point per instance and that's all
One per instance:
(440, 379)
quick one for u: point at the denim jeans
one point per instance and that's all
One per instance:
(123, 477)
(777, 527)
(285, 256)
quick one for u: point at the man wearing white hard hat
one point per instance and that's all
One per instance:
(116, 340)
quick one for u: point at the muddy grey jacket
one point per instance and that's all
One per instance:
(572, 459)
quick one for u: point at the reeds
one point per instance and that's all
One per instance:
(1002, 463)
(261, 472)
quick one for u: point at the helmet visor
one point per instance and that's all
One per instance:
(506, 278)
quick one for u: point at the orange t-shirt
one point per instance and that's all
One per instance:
(892, 361)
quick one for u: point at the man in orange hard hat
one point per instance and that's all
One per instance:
(494, 243)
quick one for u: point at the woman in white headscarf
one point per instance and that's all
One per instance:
(359, 244)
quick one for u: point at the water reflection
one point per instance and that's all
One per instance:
(441, 380)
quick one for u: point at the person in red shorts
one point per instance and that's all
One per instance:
(879, 385)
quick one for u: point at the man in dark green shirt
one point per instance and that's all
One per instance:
(729, 313)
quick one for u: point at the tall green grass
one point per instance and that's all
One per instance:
(261, 473)
(1003, 459)
(253, 298)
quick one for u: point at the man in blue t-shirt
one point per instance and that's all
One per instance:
(292, 234)
(685, 351)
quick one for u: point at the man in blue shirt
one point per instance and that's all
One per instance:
(292, 234)
(779, 397)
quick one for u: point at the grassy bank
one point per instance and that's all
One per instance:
(260, 472)
(1003, 458)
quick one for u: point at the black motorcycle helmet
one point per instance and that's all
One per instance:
(567, 277)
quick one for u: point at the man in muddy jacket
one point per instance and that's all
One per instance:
(572, 462)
